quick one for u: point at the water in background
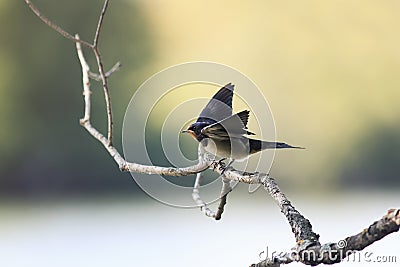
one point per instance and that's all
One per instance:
(129, 232)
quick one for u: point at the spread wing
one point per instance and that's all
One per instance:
(244, 117)
(233, 126)
(219, 107)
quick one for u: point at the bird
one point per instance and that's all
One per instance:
(225, 135)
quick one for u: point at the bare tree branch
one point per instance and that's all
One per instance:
(96, 52)
(55, 26)
(301, 227)
(308, 248)
(238, 176)
(122, 163)
(313, 253)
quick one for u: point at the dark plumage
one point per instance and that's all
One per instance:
(223, 134)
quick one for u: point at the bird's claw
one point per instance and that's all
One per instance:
(223, 170)
(219, 162)
(223, 167)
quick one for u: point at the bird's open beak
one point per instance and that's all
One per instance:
(184, 131)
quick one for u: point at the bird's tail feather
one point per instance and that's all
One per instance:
(258, 145)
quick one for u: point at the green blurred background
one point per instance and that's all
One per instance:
(329, 69)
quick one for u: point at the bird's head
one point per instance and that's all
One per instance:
(195, 131)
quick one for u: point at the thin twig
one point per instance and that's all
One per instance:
(95, 49)
(226, 189)
(122, 163)
(55, 26)
(103, 75)
(85, 79)
(100, 23)
(114, 68)
(197, 199)
(139, 168)
(106, 95)
(202, 156)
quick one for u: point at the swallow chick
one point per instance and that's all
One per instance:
(223, 134)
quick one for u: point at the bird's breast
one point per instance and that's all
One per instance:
(235, 148)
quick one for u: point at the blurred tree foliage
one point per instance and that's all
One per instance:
(339, 67)
(43, 148)
(374, 164)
